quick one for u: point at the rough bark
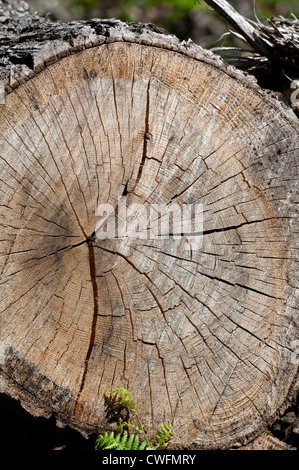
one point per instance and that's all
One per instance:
(101, 109)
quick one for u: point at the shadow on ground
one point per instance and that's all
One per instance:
(22, 430)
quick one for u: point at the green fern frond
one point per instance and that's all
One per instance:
(106, 441)
(142, 446)
(164, 435)
(122, 398)
(119, 442)
(131, 442)
(126, 424)
(122, 439)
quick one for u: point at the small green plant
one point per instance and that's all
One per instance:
(123, 438)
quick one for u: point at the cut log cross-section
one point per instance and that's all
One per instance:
(203, 337)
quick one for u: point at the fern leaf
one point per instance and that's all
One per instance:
(163, 446)
(135, 444)
(130, 442)
(164, 435)
(142, 446)
(106, 441)
(126, 424)
(123, 398)
(123, 442)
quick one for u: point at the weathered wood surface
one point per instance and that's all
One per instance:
(205, 338)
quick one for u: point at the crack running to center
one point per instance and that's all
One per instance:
(92, 268)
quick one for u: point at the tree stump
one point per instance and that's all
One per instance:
(99, 110)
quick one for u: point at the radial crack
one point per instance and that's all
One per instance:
(95, 315)
(146, 135)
